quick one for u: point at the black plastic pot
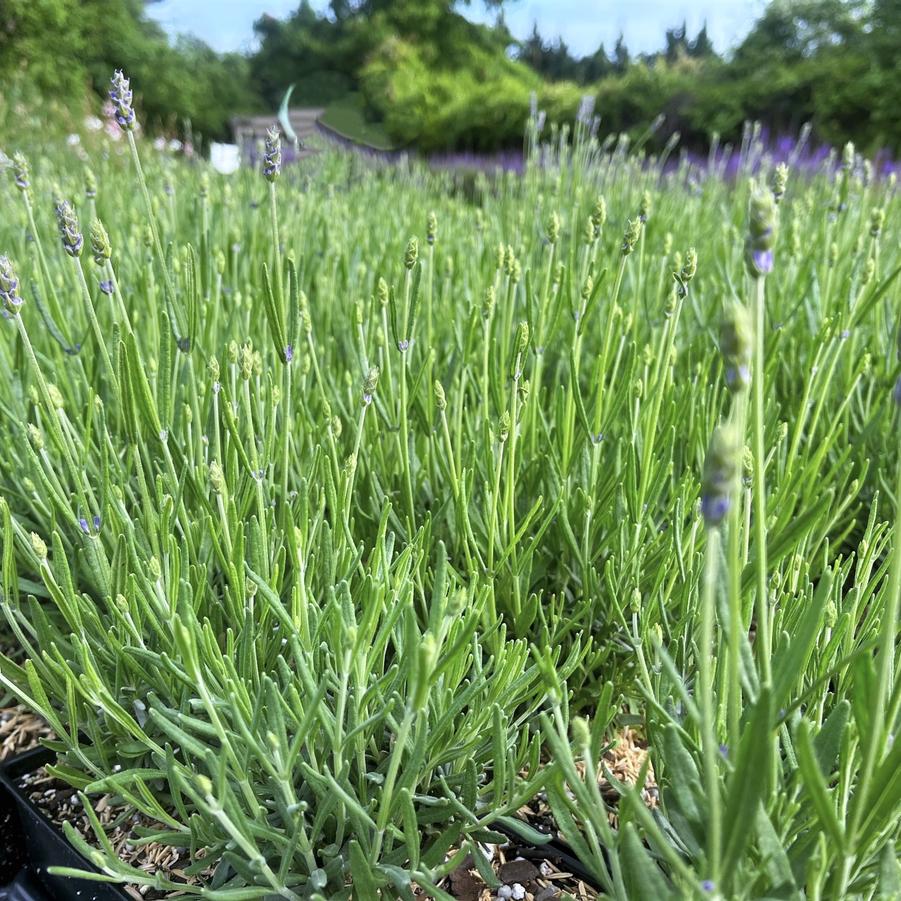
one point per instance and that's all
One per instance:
(555, 851)
(29, 844)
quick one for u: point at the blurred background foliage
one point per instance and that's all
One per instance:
(417, 73)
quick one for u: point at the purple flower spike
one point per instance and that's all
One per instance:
(714, 508)
(69, 231)
(708, 886)
(121, 95)
(9, 286)
(738, 377)
(97, 523)
(272, 158)
(763, 261)
(106, 287)
(289, 353)
(84, 525)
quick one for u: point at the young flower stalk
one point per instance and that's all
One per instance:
(122, 99)
(721, 468)
(73, 242)
(370, 383)
(736, 347)
(759, 259)
(272, 167)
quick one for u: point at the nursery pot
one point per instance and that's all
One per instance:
(555, 851)
(30, 843)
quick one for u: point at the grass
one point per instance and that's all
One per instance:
(347, 117)
(344, 514)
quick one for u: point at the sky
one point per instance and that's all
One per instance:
(583, 24)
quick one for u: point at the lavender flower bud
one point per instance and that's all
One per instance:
(869, 270)
(382, 292)
(90, 184)
(689, 270)
(21, 174)
(877, 220)
(762, 225)
(631, 235)
(272, 158)
(426, 661)
(100, 245)
(440, 397)
(553, 228)
(599, 215)
(588, 234)
(587, 288)
(503, 429)
(369, 385)
(411, 254)
(217, 477)
(431, 228)
(778, 181)
(9, 286)
(39, 546)
(69, 232)
(488, 303)
(121, 95)
(721, 467)
(736, 347)
(848, 155)
(522, 337)
(644, 209)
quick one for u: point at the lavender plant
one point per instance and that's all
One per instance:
(346, 508)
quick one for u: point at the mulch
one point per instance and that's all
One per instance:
(20, 731)
(515, 877)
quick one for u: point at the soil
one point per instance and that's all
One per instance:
(60, 803)
(520, 880)
(534, 879)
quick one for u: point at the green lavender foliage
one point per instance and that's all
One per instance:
(307, 518)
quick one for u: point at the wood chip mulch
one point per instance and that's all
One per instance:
(624, 761)
(60, 803)
(517, 878)
(536, 879)
(20, 731)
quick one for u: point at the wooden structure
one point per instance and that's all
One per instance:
(250, 131)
